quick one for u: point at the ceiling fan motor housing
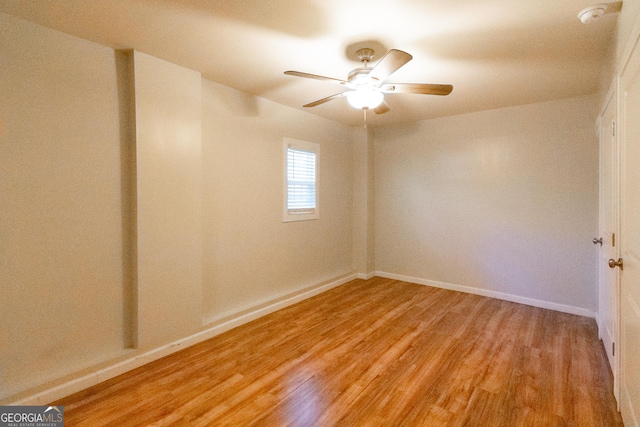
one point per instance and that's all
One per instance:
(360, 76)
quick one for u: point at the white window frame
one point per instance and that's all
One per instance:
(312, 147)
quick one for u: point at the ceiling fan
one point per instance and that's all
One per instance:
(367, 85)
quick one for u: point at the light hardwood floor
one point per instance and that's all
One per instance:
(373, 353)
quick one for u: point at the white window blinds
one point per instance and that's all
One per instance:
(301, 181)
(301, 160)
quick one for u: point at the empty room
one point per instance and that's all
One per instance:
(319, 213)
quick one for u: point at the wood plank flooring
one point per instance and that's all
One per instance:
(373, 353)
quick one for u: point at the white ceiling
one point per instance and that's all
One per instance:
(496, 53)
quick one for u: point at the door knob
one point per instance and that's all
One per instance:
(613, 263)
(596, 241)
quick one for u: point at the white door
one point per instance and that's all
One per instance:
(609, 214)
(630, 239)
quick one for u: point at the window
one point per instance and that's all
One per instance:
(300, 180)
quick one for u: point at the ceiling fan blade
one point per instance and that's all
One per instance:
(382, 108)
(418, 88)
(314, 76)
(389, 64)
(323, 100)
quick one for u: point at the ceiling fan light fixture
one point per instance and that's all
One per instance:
(364, 98)
(367, 84)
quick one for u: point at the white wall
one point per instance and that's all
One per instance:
(503, 201)
(61, 207)
(250, 256)
(626, 21)
(104, 247)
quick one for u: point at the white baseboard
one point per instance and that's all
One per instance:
(366, 276)
(597, 317)
(492, 294)
(136, 358)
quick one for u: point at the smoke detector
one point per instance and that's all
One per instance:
(592, 13)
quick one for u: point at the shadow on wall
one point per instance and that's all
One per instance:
(126, 109)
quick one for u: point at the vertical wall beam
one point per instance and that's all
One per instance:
(169, 200)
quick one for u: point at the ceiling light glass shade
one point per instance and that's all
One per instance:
(364, 98)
